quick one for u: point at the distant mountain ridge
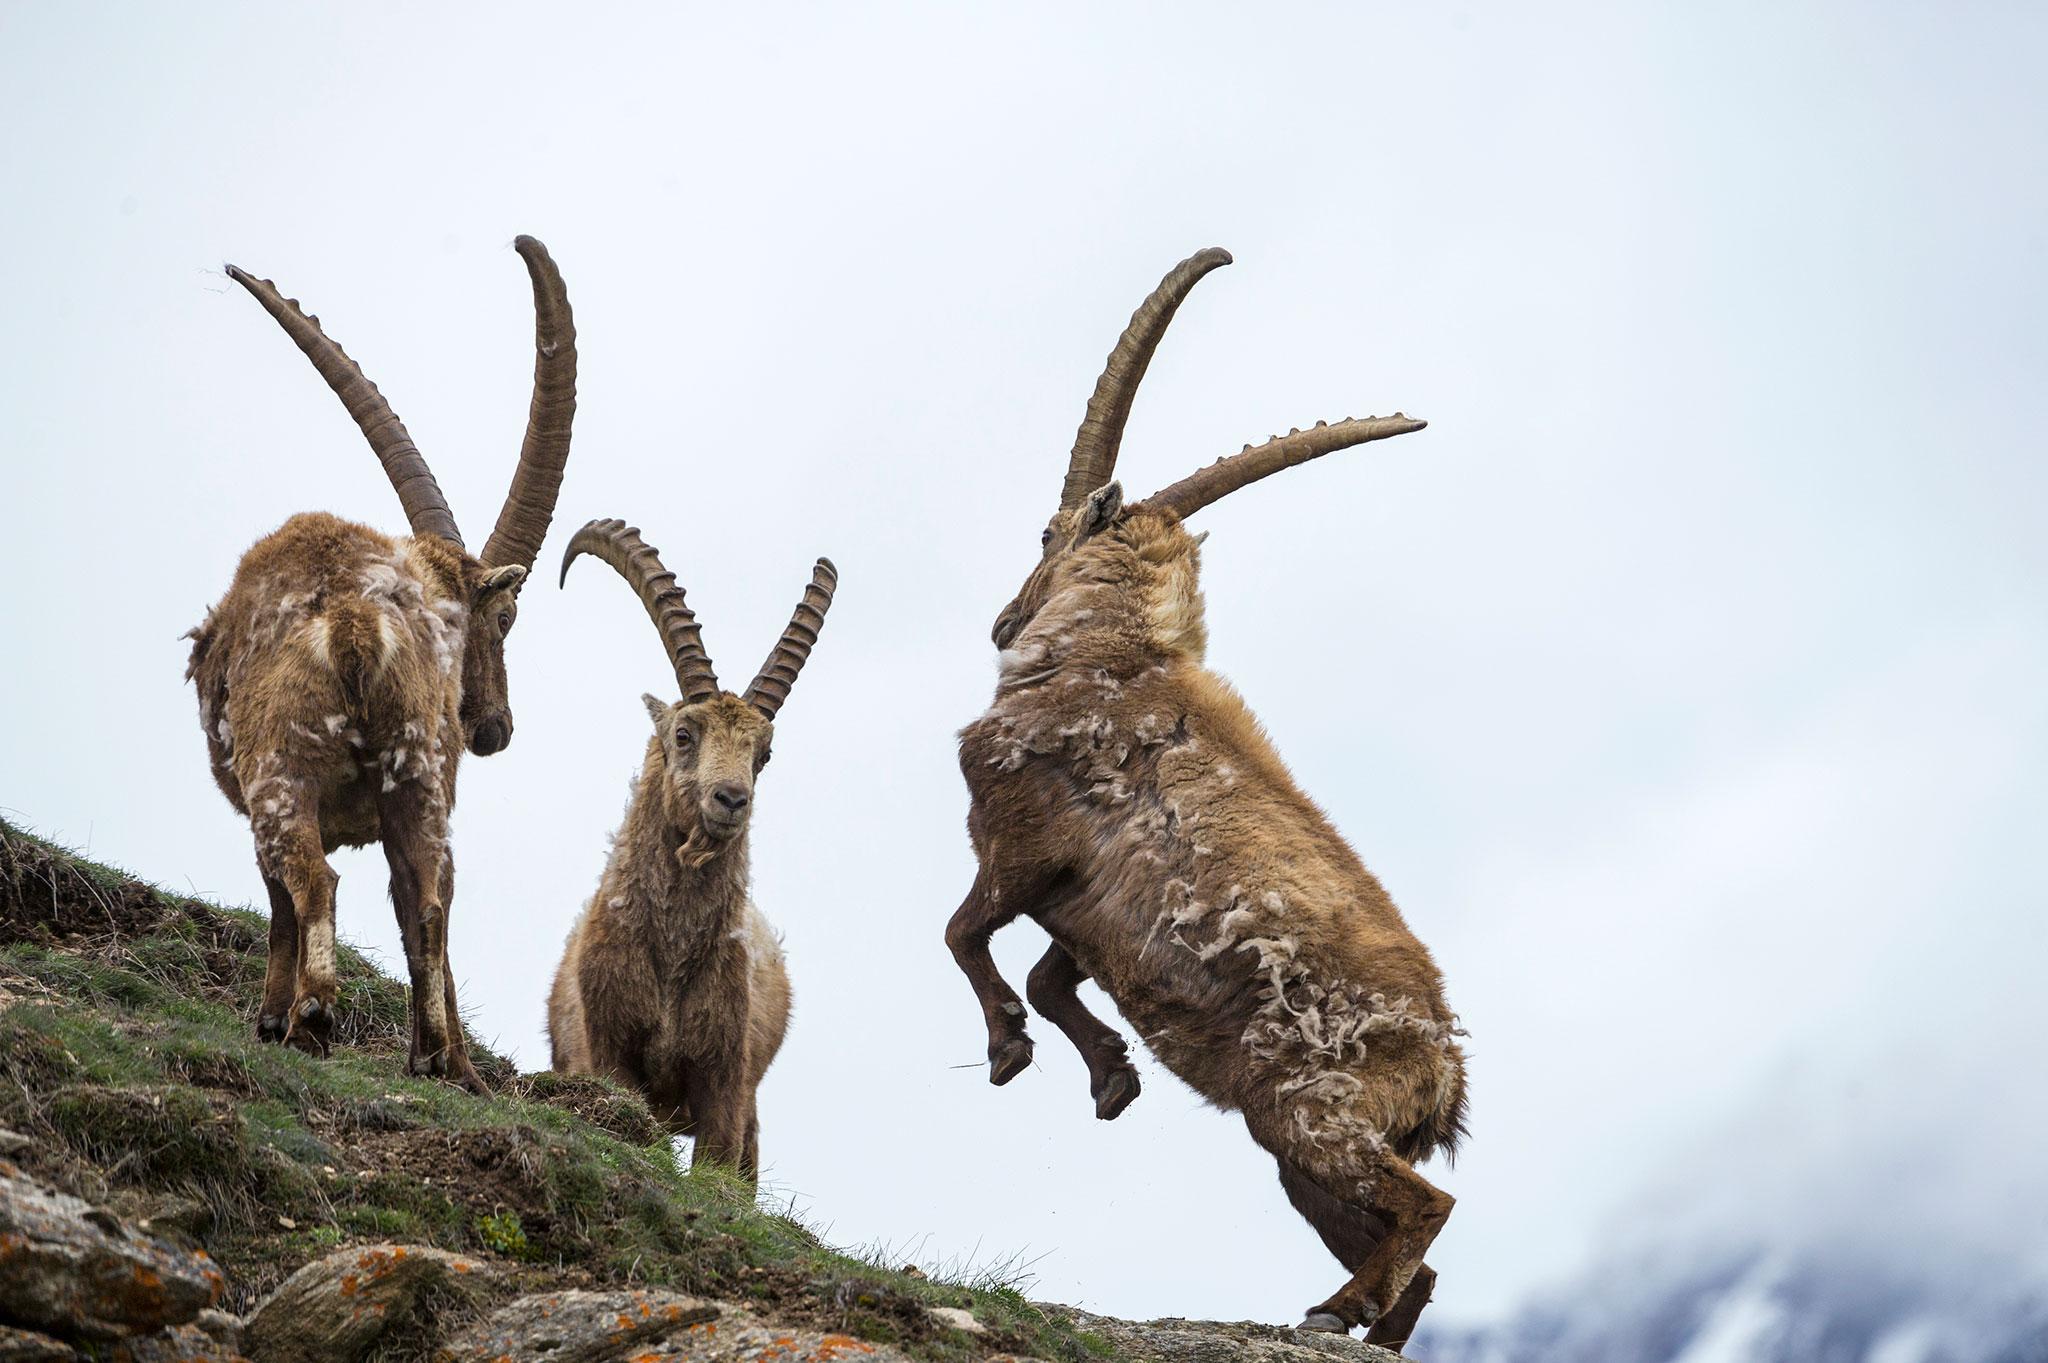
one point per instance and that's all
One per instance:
(1866, 1305)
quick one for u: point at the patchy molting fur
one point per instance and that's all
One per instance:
(335, 692)
(672, 981)
(1126, 799)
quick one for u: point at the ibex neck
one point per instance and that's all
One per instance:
(683, 908)
(1117, 608)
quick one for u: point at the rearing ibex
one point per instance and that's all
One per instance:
(1125, 798)
(345, 670)
(672, 981)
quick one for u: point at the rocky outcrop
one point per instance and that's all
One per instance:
(1211, 1341)
(72, 1274)
(334, 1309)
(647, 1327)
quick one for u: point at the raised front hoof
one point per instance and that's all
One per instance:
(1322, 1322)
(1115, 1093)
(1008, 1059)
(311, 1027)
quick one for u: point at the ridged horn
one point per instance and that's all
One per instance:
(426, 510)
(771, 684)
(1093, 461)
(1226, 476)
(530, 504)
(637, 561)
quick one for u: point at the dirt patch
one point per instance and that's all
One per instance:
(622, 1113)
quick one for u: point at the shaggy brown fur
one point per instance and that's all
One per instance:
(1126, 800)
(344, 672)
(339, 681)
(672, 981)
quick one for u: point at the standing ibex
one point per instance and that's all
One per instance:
(1125, 798)
(672, 980)
(345, 670)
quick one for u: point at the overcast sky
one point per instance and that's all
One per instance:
(1689, 688)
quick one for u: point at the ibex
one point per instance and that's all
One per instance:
(345, 670)
(672, 981)
(1126, 799)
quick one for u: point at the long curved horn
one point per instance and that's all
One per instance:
(426, 510)
(1226, 476)
(1093, 461)
(771, 684)
(620, 545)
(530, 505)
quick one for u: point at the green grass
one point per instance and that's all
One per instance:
(127, 1050)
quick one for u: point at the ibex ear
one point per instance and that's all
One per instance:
(508, 579)
(657, 710)
(1102, 507)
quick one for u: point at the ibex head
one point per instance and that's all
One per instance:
(1091, 502)
(489, 583)
(712, 743)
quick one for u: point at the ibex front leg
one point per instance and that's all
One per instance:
(1052, 987)
(994, 901)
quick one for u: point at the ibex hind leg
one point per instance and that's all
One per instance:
(1053, 987)
(281, 966)
(293, 860)
(1397, 1327)
(414, 831)
(1351, 1234)
(1413, 1210)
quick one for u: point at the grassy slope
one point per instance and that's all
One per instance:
(127, 1050)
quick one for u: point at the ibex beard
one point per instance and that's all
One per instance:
(1126, 799)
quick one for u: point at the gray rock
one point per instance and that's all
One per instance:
(1213, 1341)
(955, 1318)
(334, 1309)
(179, 1344)
(737, 1337)
(78, 1272)
(224, 1329)
(584, 1327)
(26, 1346)
(161, 1214)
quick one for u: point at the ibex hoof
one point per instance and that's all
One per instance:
(312, 1027)
(1325, 1323)
(1119, 1088)
(272, 1027)
(1008, 1059)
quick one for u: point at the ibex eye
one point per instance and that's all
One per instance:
(505, 622)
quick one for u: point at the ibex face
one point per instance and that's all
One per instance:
(712, 751)
(486, 696)
(712, 743)
(1068, 531)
